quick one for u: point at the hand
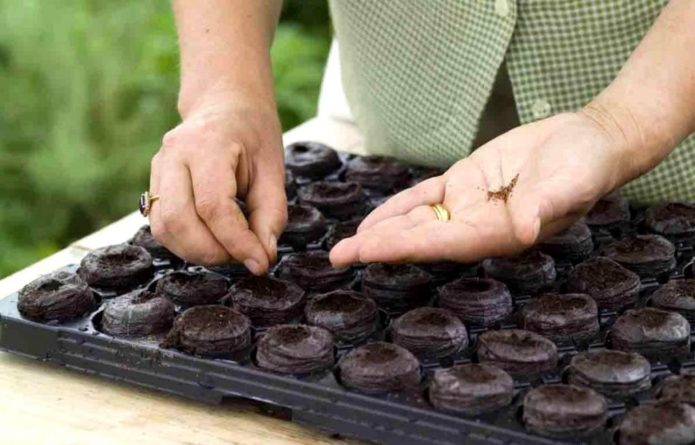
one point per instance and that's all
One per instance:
(564, 164)
(217, 153)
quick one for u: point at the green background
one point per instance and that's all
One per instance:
(88, 88)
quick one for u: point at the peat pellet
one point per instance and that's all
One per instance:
(305, 225)
(340, 200)
(482, 301)
(677, 296)
(396, 287)
(528, 273)
(349, 315)
(311, 160)
(376, 200)
(341, 230)
(313, 271)
(561, 316)
(430, 332)
(609, 212)
(611, 285)
(377, 172)
(422, 173)
(664, 423)
(192, 288)
(517, 351)
(573, 244)
(290, 184)
(210, 331)
(59, 296)
(144, 238)
(379, 367)
(680, 388)
(647, 255)
(295, 349)
(267, 301)
(652, 332)
(675, 219)
(614, 374)
(116, 267)
(230, 270)
(138, 313)
(470, 389)
(446, 271)
(560, 410)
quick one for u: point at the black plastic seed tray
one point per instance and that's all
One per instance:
(319, 400)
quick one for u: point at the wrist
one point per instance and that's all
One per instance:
(247, 85)
(623, 132)
(223, 99)
(640, 137)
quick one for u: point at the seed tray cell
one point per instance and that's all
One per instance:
(319, 399)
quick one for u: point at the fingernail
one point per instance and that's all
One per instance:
(253, 265)
(273, 243)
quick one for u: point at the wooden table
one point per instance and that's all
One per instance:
(44, 404)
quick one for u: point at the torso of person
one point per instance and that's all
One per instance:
(429, 81)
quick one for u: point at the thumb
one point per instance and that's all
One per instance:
(526, 218)
(267, 204)
(543, 209)
(530, 208)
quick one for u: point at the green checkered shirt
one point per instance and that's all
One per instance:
(418, 73)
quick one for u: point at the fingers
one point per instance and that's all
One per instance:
(418, 237)
(428, 241)
(428, 192)
(349, 251)
(267, 204)
(173, 219)
(214, 189)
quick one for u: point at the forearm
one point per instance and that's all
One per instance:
(650, 106)
(225, 50)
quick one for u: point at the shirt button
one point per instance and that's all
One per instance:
(502, 8)
(540, 108)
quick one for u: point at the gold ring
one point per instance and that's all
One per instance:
(441, 213)
(145, 203)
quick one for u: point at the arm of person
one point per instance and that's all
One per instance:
(229, 142)
(651, 103)
(555, 168)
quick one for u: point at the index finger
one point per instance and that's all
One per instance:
(428, 241)
(174, 220)
(476, 232)
(214, 189)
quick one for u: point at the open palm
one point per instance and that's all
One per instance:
(562, 165)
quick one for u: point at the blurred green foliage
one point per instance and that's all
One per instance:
(88, 87)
